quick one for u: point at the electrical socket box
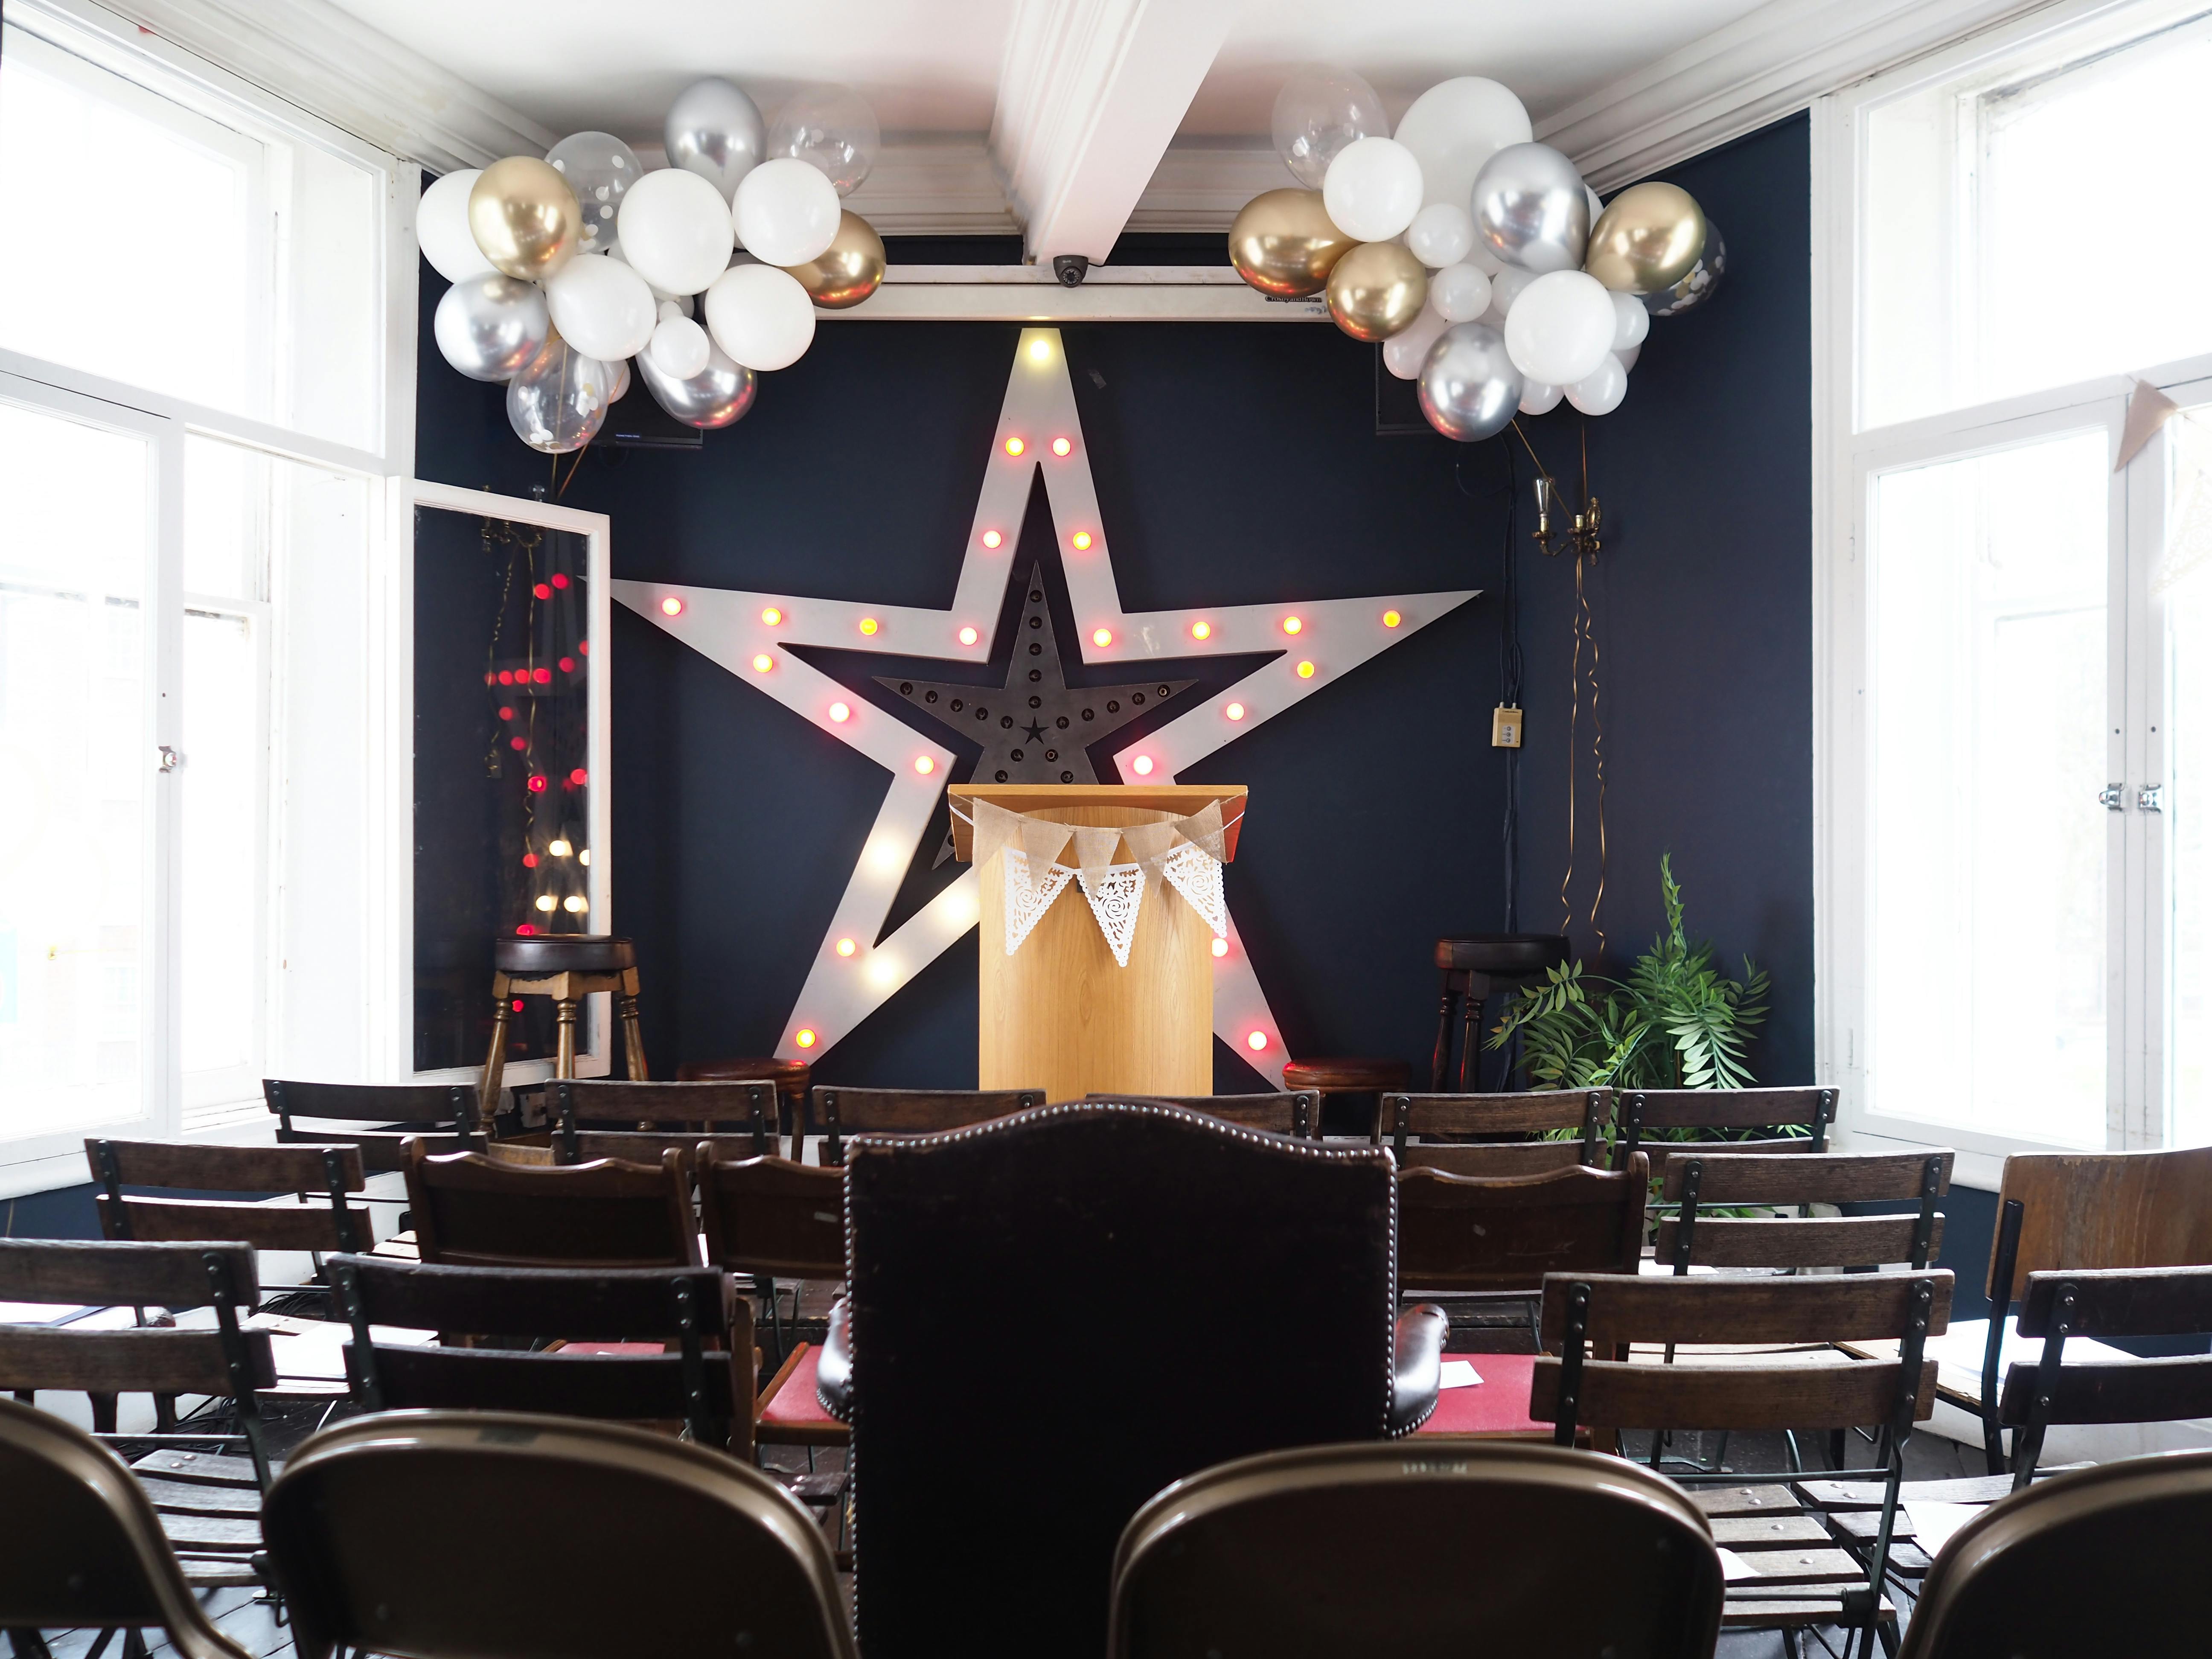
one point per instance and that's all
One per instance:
(1505, 727)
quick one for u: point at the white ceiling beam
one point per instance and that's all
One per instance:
(1090, 97)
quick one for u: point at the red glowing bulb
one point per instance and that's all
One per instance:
(506, 712)
(506, 677)
(487, 679)
(542, 591)
(525, 929)
(567, 665)
(536, 783)
(542, 676)
(518, 743)
(518, 1001)
(530, 861)
(559, 580)
(583, 647)
(579, 777)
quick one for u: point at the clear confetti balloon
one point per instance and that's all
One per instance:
(557, 401)
(831, 128)
(1319, 111)
(600, 168)
(1700, 286)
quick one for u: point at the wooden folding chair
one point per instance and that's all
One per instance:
(835, 1112)
(442, 1115)
(82, 1547)
(637, 1121)
(1294, 1112)
(1796, 1576)
(1715, 1115)
(1223, 1561)
(1511, 1123)
(1697, 1179)
(471, 1210)
(209, 1503)
(770, 1218)
(333, 1171)
(458, 1535)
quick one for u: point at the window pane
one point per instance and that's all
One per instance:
(73, 751)
(2184, 586)
(1987, 741)
(1977, 194)
(221, 781)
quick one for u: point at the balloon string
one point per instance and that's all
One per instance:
(1574, 719)
(1597, 745)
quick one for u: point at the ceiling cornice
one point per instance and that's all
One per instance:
(1770, 63)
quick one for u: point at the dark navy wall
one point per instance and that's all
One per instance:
(1242, 463)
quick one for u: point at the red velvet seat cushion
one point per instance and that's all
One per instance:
(795, 1405)
(1496, 1404)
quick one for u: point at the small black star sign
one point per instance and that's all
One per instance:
(1034, 732)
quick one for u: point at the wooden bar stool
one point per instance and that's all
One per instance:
(567, 967)
(1370, 1078)
(1475, 965)
(791, 1078)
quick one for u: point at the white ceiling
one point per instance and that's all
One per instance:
(934, 66)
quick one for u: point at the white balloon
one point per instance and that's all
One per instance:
(1600, 392)
(1506, 285)
(1459, 294)
(1373, 189)
(785, 214)
(760, 315)
(1538, 398)
(1561, 328)
(680, 347)
(675, 230)
(622, 381)
(1627, 354)
(1441, 234)
(1631, 322)
(1482, 259)
(1404, 352)
(441, 227)
(601, 308)
(1455, 127)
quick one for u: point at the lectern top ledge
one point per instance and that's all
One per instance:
(1166, 800)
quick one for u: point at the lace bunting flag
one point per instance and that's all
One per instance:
(1115, 892)
(1026, 903)
(1198, 878)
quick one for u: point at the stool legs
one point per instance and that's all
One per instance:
(495, 1062)
(564, 1055)
(633, 1035)
(1470, 1053)
(1442, 1057)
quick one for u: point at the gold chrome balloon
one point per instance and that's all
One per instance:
(525, 217)
(848, 270)
(1648, 237)
(1284, 243)
(1376, 289)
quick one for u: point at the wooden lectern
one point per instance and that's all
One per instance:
(1060, 1013)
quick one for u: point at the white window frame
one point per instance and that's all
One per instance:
(1845, 458)
(378, 1025)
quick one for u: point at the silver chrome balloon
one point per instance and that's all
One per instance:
(1469, 388)
(1530, 209)
(1700, 286)
(717, 396)
(714, 131)
(491, 327)
(600, 168)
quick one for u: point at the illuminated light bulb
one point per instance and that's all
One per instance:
(538, 784)
(846, 947)
(574, 904)
(506, 712)
(506, 677)
(583, 647)
(1305, 670)
(1292, 624)
(1201, 630)
(559, 849)
(567, 665)
(1015, 445)
(1060, 445)
(991, 538)
(545, 901)
(840, 711)
(763, 663)
(923, 764)
(883, 972)
(672, 606)
(869, 625)
(518, 743)
(489, 678)
(967, 636)
(805, 1039)
(1257, 1041)
(559, 580)
(1080, 541)
(541, 590)
(525, 931)
(1235, 711)
(542, 676)
(579, 777)
(1040, 350)
(518, 1001)
(584, 858)
(1391, 619)
(530, 861)
(771, 616)
(1142, 766)
(1221, 947)
(1101, 636)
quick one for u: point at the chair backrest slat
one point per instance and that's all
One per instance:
(1841, 1308)
(1496, 1160)
(839, 1113)
(1793, 1242)
(770, 1216)
(209, 1169)
(67, 1273)
(578, 1104)
(1584, 1111)
(473, 1211)
(1463, 1233)
(264, 1226)
(1749, 1397)
(452, 1104)
(1295, 1112)
(152, 1360)
(1723, 1113)
(2121, 1302)
(1733, 1177)
(601, 1304)
(2175, 1389)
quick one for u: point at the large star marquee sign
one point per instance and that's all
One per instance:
(753, 636)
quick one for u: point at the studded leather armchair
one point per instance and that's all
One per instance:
(1164, 1291)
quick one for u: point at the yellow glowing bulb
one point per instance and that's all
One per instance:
(1292, 624)
(923, 764)
(846, 947)
(1080, 541)
(840, 711)
(1040, 350)
(584, 858)
(573, 905)
(1060, 445)
(545, 901)
(1305, 670)
(763, 663)
(1201, 630)
(672, 606)
(1391, 619)
(869, 624)
(771, 616)
(559, 849)
(991, 538)
(1257, 1041)
(1221, 947)
(1103, 636)
(968, 636)
(1142, 766)
(1015, 445)
(805, 1039)
(1235, 711)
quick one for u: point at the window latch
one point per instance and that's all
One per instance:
(2151, 797)
(167, 759)
(2112, 796)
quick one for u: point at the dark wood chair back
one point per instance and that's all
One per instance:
(1493, 1160)
(2112, 1304)
(1512, 1117)
(771, 1217)
(1720, 1113)
(1229, 1551)
(332, 1171)
(836, 1112)
(427, 1536)
(1084, 1225)
(706, 1381)
(471, 1211)
(1294, 1112)
(80, 1547)
(2105, 1559)
(1466, 1233)
(229, 1361)
(749, 1108)
(1697, 1179)
(444, 1115)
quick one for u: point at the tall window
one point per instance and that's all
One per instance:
(2014, 948)
(194, 419)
